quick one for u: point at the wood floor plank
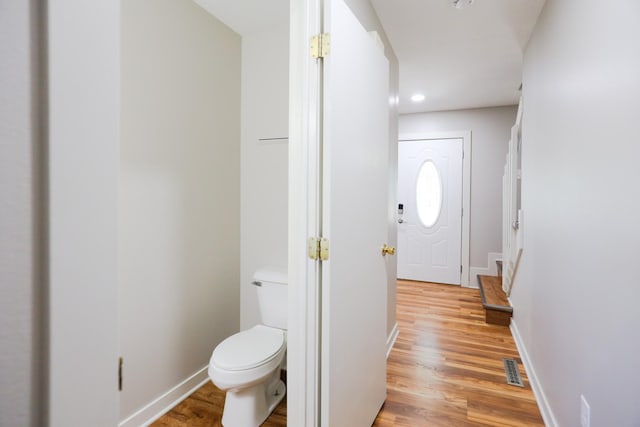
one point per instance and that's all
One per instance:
(445, 370)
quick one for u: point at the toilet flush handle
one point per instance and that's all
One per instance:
(256, 283)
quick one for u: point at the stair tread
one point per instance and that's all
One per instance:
(493, 297)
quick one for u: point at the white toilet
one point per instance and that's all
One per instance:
(247, 365)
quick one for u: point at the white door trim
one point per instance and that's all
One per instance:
(466, 188)
(304, 191)
(83, 106)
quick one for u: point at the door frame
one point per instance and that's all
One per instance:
(466, 188)
(303, 333)
(82, 42)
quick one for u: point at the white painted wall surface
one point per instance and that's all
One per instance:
(264, 190)
(83, 104)
(21, 201)
(576, 294)
(490, 131)
(179, 216)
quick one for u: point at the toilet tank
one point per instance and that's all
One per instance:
(271, 284)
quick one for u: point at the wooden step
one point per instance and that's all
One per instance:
(497, 309)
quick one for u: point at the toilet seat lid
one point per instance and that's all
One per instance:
(248, 349)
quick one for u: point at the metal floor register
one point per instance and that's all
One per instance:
(512, 372)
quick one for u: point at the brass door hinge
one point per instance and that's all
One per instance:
(320, 45)
(318, 248)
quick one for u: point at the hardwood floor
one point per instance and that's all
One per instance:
(446, 367)
(444, 370)
(204, 409)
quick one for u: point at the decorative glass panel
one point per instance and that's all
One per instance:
(429, 194)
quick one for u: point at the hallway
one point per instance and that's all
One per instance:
(444, 370)
(446, 366)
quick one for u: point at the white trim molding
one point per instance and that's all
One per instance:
(490, 270)
(79, 182)
(304, 139)
(161, 405)
(466, 188)
(391, 339)
(541, 398)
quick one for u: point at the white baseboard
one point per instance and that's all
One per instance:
(391, 339)
(541, 398)
(158, 407)
(473, 276)
(490, 270)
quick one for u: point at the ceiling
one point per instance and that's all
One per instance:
(457, 58)
(248, 16)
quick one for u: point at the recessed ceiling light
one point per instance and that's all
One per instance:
(418, 97)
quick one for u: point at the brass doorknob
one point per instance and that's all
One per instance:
(388, 250)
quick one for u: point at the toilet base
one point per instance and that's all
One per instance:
(250, 407)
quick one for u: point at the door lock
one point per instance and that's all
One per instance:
(388, 250)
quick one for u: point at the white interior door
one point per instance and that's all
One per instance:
(430, 227)
(354, 289)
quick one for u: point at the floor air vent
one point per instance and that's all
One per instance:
(512, 372)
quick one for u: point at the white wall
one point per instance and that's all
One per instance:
(576, 295)
(490, 132)
(179, 216)
(264, 191)
(21, 202)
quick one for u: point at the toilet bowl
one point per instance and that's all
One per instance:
(247, 365)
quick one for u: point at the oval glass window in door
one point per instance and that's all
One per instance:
(429, 194)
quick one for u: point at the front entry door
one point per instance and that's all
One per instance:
(354, 220)
(430, 224)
